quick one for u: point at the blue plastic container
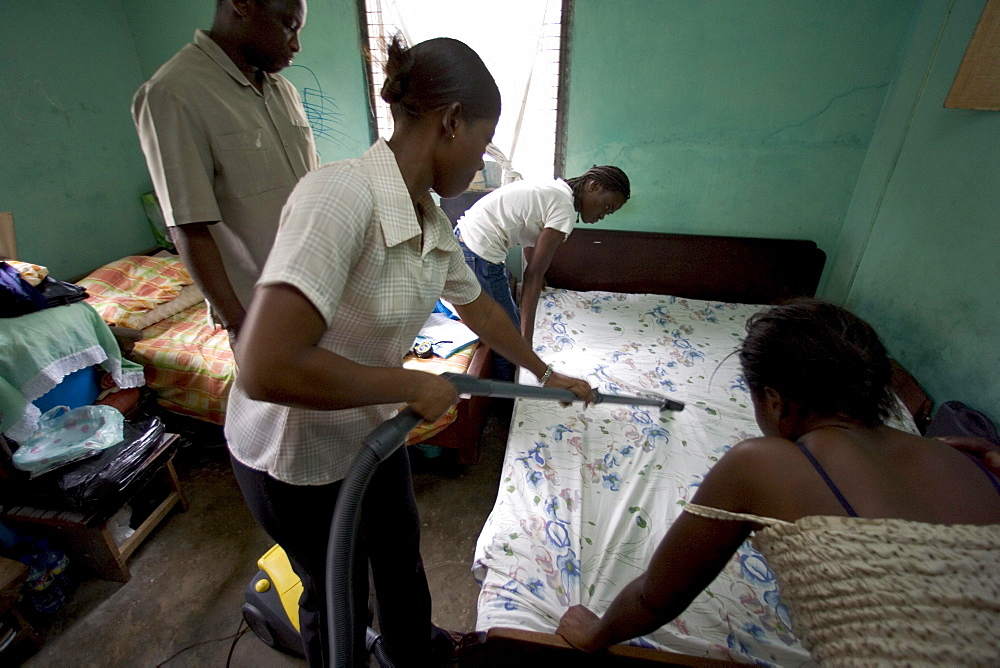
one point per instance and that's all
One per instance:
(79, 388)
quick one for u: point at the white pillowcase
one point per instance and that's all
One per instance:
(187, 297)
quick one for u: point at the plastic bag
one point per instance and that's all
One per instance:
(61, 293)
(90, 482)
(65, 436)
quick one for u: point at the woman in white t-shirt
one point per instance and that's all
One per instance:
(533, 213)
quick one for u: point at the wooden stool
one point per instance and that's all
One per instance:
(89, 538)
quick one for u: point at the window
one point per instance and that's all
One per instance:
(519, 40)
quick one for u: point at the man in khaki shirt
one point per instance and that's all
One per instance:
(226, 139)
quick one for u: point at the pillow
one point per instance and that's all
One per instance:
(123, 290)
(188, 296)
(32, 273)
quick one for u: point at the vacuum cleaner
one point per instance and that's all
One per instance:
(271, 607)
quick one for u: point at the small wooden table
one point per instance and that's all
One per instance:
(89, 537)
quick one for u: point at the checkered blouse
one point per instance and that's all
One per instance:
(350, 241)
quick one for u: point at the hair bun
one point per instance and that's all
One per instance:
(394, 88)
(398, 64)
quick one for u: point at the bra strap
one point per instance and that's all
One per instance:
(993, 479)
(826, 479)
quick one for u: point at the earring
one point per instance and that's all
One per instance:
(453, 135)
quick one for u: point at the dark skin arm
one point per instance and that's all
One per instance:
(201, 256)
(280, 362)
(534, 277)
(688, 558)
(485, 317)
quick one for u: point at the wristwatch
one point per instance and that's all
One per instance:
(544, 378)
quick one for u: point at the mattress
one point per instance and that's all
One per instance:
(586, 495)
(188, 363)
(187, 360)
(190, 366)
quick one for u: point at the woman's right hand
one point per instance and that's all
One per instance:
(578, 627)
(435, 395)
(577, 386)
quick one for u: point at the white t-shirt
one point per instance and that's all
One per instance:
(515, 215)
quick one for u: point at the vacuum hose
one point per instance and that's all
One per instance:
(376, 647)
(377, 447)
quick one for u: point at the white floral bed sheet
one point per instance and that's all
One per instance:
(586, 495)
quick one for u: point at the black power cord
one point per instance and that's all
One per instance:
(240, 632)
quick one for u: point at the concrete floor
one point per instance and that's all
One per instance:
(182, 605)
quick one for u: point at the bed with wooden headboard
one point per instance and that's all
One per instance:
(190, 366)
(585, 496)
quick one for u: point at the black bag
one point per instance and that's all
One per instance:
(953, 418)
(60, 293)
(17, 296)
(95, 483)
(88, 484)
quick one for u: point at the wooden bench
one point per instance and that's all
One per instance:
(89, 537)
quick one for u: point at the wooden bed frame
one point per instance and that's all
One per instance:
(498, 647)
(730, 269)
(464, 433)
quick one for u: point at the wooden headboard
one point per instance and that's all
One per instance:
(731, 269)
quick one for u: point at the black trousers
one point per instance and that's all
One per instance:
(298, 518)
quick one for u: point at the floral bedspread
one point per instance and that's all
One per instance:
(586, 496)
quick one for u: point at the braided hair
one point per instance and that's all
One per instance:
(608, 176)
(821, 356)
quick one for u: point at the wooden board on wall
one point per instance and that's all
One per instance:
(977, 84)
(8, 241)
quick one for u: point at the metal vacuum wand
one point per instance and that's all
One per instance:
(479, 387)
(377, 447)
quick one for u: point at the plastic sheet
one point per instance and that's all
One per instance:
(64, 436)
(92, 481)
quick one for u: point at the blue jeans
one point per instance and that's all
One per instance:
(493, 276)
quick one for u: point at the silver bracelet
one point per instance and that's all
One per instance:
(544, 378)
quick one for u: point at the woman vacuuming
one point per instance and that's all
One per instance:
(360, 259)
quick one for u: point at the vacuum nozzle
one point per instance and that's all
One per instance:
(479, 387)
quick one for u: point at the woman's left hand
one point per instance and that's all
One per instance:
(578, 626)
(577, 386)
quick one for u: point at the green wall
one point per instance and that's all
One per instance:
(766, 118)
(71, 168)
(920, 254)
(812, 120)
(329, 70)
(732, 117)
